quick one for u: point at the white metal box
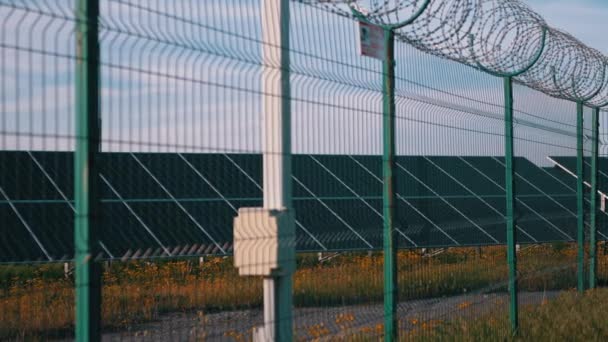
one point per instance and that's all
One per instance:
(264, 242)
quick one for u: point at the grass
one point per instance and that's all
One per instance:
(38, 300)
(570, 317)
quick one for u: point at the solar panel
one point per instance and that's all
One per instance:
(565, 168)
(150, 210)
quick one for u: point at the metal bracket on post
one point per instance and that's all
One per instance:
(86, 177)
(264, 245)
(264, 242)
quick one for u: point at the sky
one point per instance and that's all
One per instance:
(171, 85)
(587, 20)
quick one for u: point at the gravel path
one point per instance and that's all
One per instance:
(327, 321)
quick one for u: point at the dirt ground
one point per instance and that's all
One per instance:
(319, 321)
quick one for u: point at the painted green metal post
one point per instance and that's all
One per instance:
(509, 172)
(593, 199)
(388, 167)
(510, 204)
(388, 193)
(580, 197)
(88, 272)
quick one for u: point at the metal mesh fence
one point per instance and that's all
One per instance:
(134, 134)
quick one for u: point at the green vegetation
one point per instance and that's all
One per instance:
(38, 300)
(570, 317)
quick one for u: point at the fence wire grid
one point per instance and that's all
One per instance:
(133, 135)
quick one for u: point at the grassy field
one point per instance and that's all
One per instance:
(570, 317)
(39, 299)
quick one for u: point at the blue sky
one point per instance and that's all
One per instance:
(585, 19)
(165, 97)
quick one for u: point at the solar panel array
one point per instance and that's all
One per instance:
(567, 166)
(187, 209)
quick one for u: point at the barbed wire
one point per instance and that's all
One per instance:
(502, 37)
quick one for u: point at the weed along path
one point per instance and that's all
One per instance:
(320, 322)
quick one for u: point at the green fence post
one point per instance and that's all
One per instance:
(510, 203)
(87, 270)
(593, 198)
(580, 197)
(509, 171)
(388, 193)
(388, 166)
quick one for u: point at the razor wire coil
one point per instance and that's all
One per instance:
(503, 37)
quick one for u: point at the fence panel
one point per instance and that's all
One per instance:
(190, 96)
